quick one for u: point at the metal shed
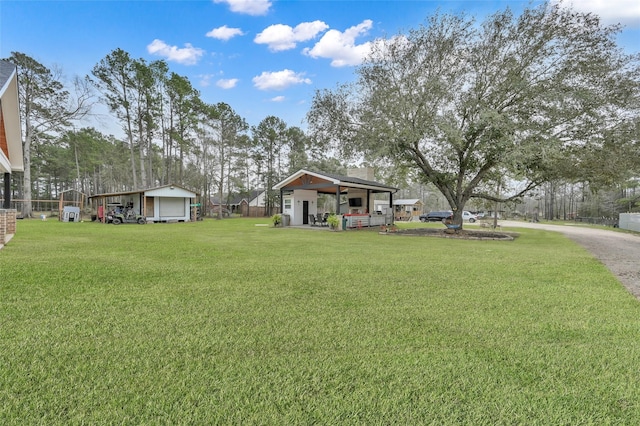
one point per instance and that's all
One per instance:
(168, 203)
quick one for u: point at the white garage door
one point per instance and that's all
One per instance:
(170, 207)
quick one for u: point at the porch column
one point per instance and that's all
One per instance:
(368, 201)
(104, 209)
(7, 191)
(338, 199)
(281, 201)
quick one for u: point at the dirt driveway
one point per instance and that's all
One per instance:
(620, 252)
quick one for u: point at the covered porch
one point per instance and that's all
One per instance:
(354, 199)
(11, 156)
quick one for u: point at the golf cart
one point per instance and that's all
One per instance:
(118, 214)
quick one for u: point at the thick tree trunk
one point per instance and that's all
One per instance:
(457, 217)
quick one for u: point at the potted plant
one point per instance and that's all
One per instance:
(276, 219)
(333, 221)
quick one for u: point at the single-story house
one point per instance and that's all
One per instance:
(229, 206)
(257, 204)
(250, 204)
(299, 197)
(168, 203)
(11, 159)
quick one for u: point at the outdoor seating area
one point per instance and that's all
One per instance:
(319, 219)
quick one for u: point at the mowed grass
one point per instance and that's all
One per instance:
(226, 322)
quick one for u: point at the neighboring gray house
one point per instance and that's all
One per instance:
(257, 205)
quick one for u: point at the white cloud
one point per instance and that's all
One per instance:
(224, 33)
(228, 83)
(278, 99)
(626, 12)
(283, 37)
(205, 79)
(341, 48)
(249, 7)
(279, 80)
(188, 55)
(308, 30)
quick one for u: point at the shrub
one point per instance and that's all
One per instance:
(333, 221)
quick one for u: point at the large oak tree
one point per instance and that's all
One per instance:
(473, 106)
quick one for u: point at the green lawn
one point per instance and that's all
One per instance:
(226, 322)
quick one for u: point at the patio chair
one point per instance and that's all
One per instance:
(322, 219)
(312, 220)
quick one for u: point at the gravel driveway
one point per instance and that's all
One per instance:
(618, 251)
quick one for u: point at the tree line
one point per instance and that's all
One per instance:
(481, 112)
(171, 135)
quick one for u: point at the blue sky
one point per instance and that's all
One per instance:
(262, 57)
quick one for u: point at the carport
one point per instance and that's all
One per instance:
(168, 203)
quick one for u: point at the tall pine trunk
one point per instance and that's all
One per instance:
(26, 179)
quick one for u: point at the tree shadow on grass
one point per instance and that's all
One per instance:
(462, 234)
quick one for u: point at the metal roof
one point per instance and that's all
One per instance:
(139, 191)
(407, 202)
(328, 182)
